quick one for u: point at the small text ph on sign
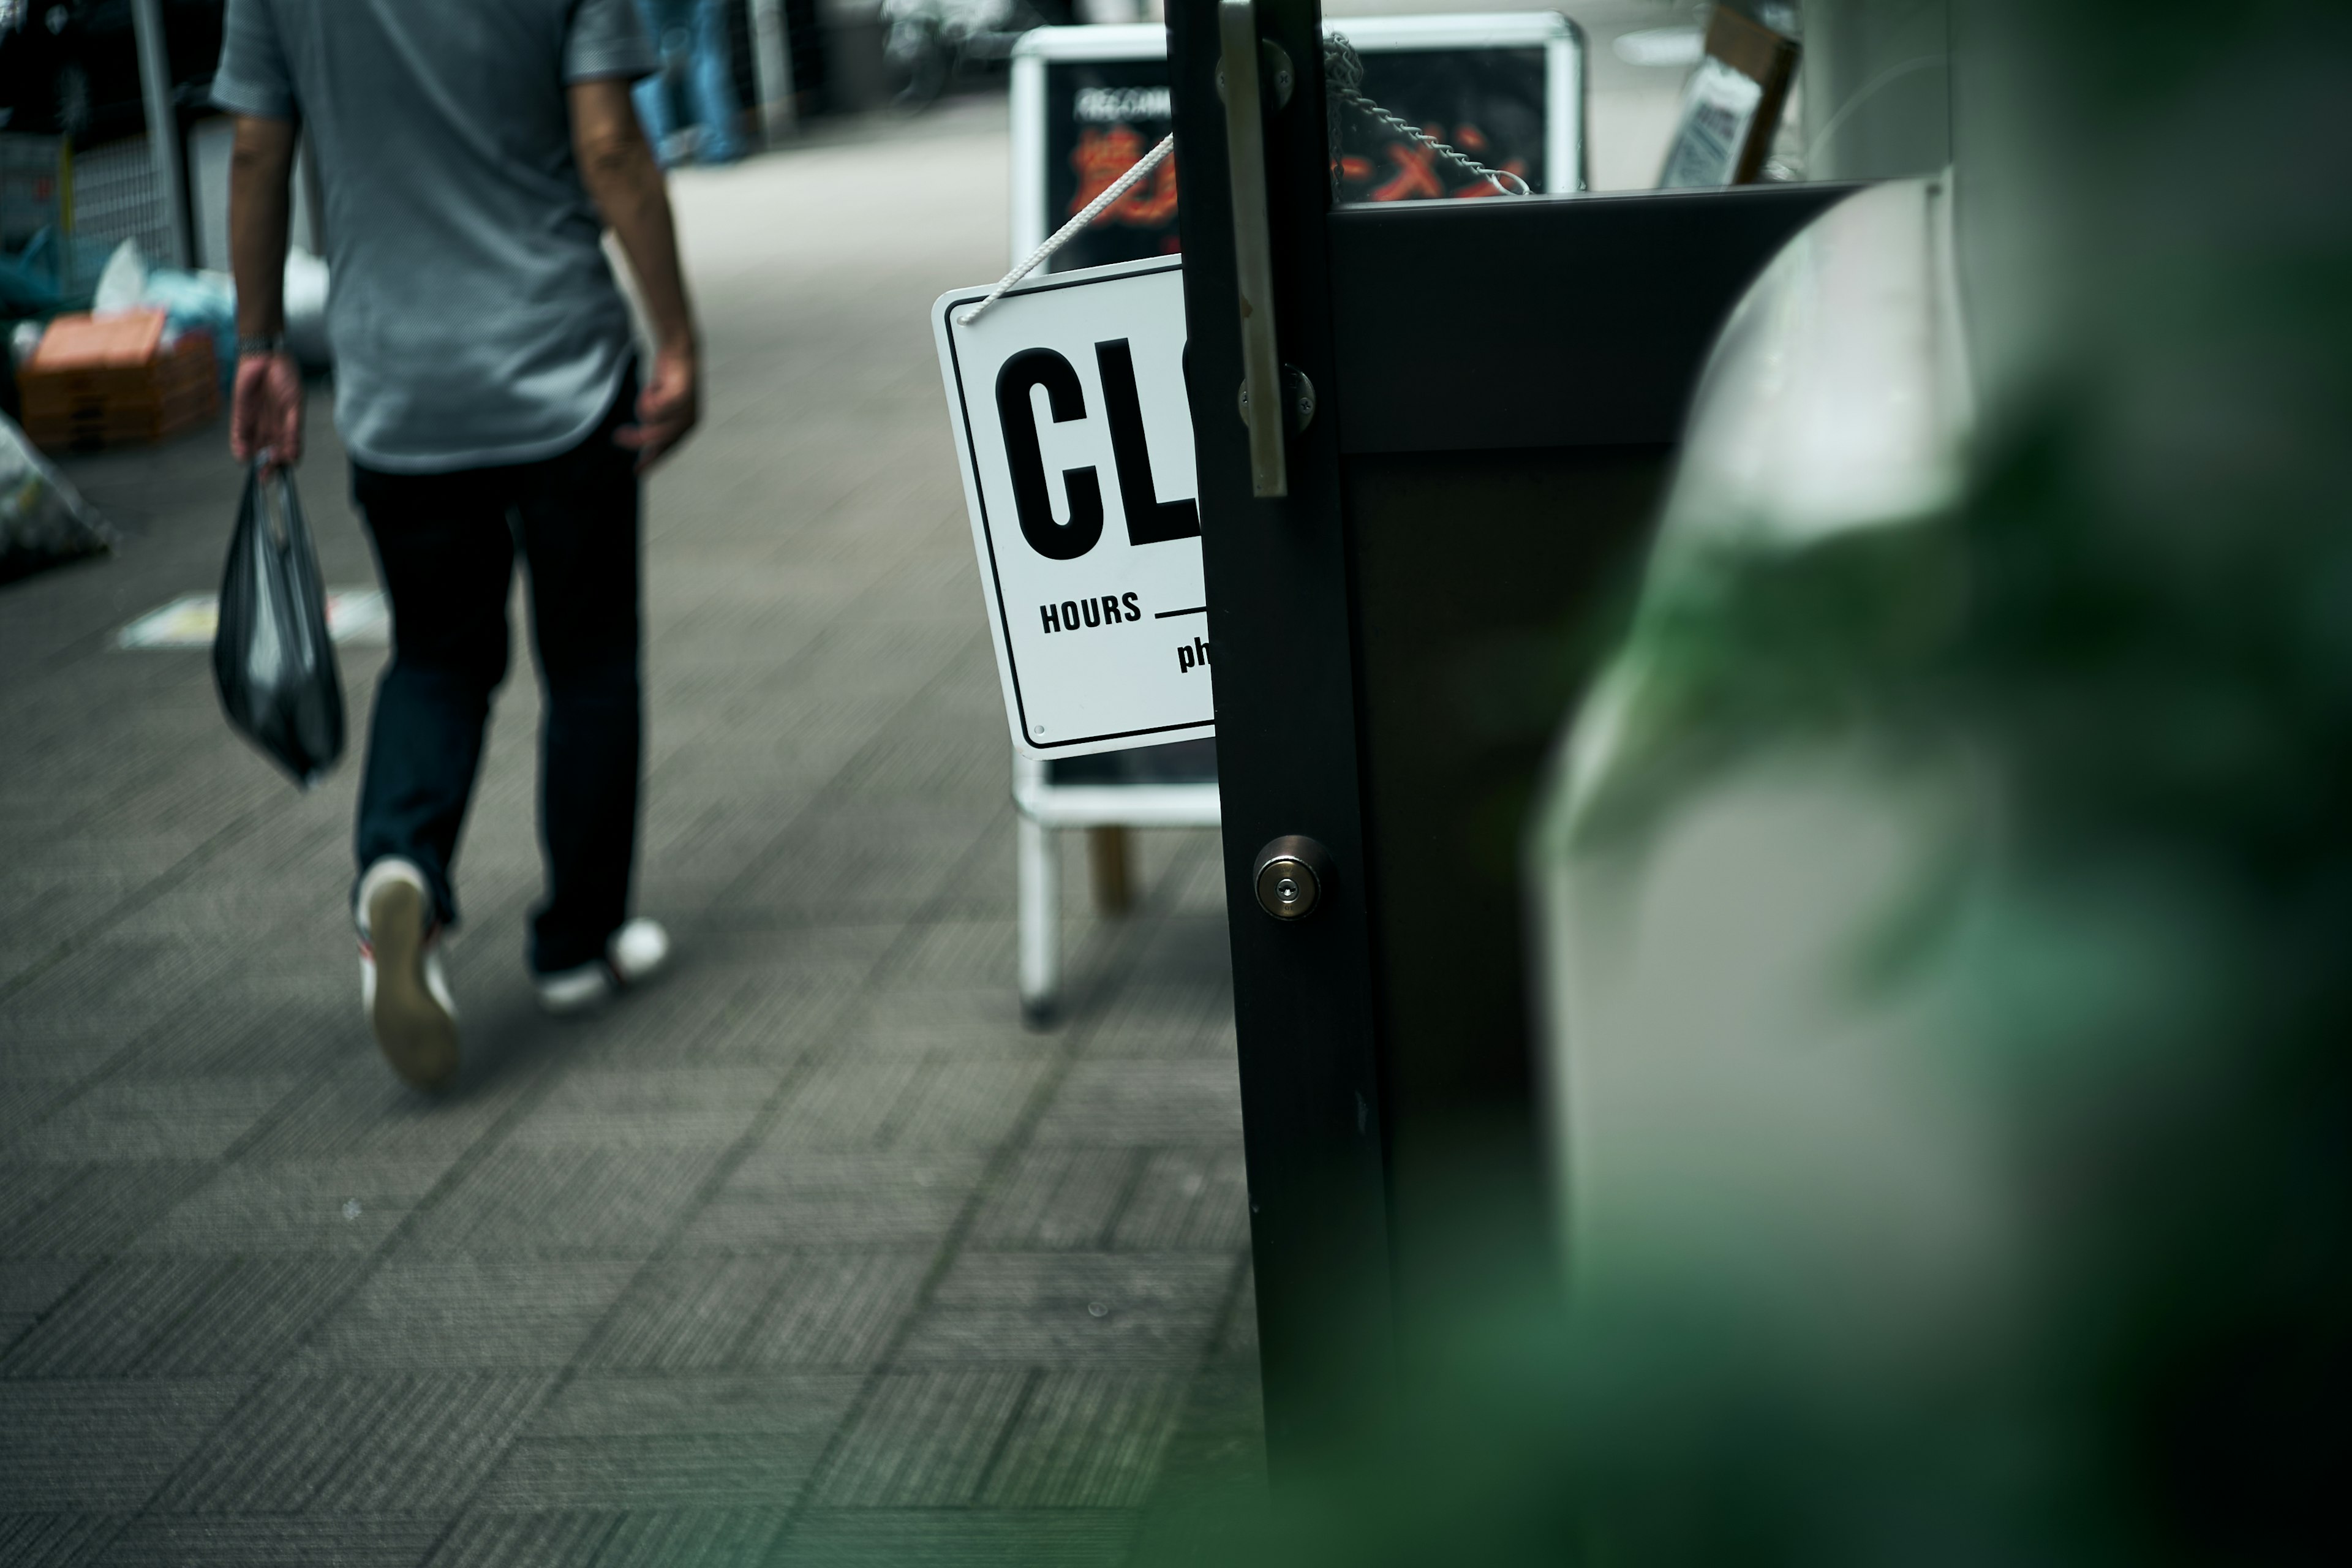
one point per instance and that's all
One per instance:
(1118, 609)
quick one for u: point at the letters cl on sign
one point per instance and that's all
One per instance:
(1149, 521)
(1067, 399)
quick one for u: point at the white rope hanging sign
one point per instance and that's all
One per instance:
(1070, 231)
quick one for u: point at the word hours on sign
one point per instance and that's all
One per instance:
(1076, 445)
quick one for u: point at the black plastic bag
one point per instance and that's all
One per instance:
(271, 655)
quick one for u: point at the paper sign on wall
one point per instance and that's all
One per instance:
(1076, 442)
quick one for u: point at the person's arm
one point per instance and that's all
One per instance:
(266, 413)
(626, 182)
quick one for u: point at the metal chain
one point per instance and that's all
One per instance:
(1343, 79)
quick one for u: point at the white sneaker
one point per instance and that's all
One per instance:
(402, 986)
(635, 954)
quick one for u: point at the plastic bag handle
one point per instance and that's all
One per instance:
(271, 492)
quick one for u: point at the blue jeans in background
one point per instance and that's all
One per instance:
(690, 36)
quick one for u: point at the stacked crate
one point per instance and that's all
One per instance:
(112, 381)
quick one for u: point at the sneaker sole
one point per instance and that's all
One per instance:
(416, 1032)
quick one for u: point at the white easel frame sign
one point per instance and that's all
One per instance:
(1085, 101)
(1075, 444)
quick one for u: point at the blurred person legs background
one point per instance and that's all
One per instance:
(690, 36)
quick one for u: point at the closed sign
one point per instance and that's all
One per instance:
(1077, 447)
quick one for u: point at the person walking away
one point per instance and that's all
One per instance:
(487, 386)
(690, 38)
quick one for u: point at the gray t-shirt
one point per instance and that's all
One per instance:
(473, 316)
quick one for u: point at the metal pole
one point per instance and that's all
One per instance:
(163, 124)
(772, 55)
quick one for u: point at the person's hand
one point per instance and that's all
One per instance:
(668, 406)
(266, 413)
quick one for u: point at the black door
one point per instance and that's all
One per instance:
(1406, 587)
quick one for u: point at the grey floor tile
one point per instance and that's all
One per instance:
(966, 1538)
(102, 1447)
(689, 1312)
(932, 753)
(845, 1104)
(982, 950)
(792, 1199)
(325, 1444)
(1059, 1199)
(924, 1439)
(914, 1020)
(656, 1107)
(567, 1201)
(1145, 1101)
(767, 1021)
(112, 991)
(1189, 950)
(1154, 1018)
(1055, 1309)
(1188, 1200)
(814, 1308)
(55, 1539)
(545, 1538)
(31, 1286)
(342, 1542)
(147, 1119)
(360, 1109)
(667, 1538)
(837, 1309)
(962, 1101)
(1087, 1439)
(610, 1405)
(440, 1313)
(706, 1440)
(937, 1099)
(26, 1101)
(69, 1211)
(27, 1190)
(181, 1317)
(857, 863)
(44, 1058)
(258, 1025)
(348, 1205)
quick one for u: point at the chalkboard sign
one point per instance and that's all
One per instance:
(1508, 90)
(1101, 116)
(1487, 103)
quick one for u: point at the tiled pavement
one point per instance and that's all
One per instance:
(810, 1254)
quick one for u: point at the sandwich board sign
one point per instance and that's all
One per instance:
(1072, 429)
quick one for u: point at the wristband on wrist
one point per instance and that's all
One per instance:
(273, 344)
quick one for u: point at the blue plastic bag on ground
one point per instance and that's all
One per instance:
(272, 658)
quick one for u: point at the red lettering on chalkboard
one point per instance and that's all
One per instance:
(1416, 173)
(1101, 157)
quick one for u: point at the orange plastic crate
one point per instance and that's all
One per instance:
(77, 400)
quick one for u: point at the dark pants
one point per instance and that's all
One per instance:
(445, 545)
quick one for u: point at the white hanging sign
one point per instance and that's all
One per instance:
(1076, 441)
